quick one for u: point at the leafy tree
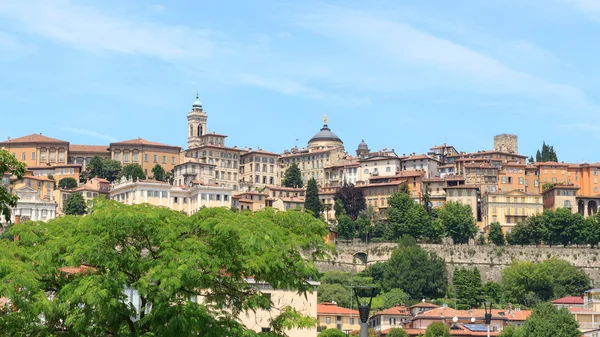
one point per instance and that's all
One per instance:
(346, 228)
(418, 273)
(67, 183)
(492, 291)
(293, 176)
(338, 208)
(394, 297)
(9, 164)
(591, 231)
(133, 171)
(509, 331)
(332, 332)
(352, 198)
(403, 188)
(397, 332)
(531, 160)
(312, 201)
(548, 321)
(334, 293)
(481, 240)
(495, 235)
(376, 272)
(111, 169)
(169, 258)
(96, 167)
(437, 329)
(407, 217)
(467, 284)
(158, 172)
(563, 227)
(459, 222)
(75, 205)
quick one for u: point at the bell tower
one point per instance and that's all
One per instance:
(197, 119)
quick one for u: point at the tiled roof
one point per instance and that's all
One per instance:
(466, 186)
(480, 165)
(391, 183)
(424, 305)
(287, 189)
(397, 310)
(34, 138)
(46, 167)
(39, 178)
(259, 152)
(141, 141)
(328, 308)
(88, 148)
(550, 163)
(514, 315)
(77, 270)
(569, 300)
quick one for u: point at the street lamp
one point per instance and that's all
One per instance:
(487, 307)
(363, 311)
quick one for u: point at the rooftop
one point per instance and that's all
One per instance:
(33, 138)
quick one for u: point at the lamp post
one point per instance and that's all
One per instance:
(363, 311)
(487, 307)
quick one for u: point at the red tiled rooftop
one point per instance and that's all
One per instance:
(329, 308)
(88, 148)
(397, 310)
(569, 300)
(34, 138)
(141, 141)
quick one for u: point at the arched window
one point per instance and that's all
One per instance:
(199, 130)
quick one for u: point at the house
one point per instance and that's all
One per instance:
(389, 318)
(330, 315)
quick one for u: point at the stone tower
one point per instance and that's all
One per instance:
(197, 119)
(506, 143)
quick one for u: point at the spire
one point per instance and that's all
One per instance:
(197, 104)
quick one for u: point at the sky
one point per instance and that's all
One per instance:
(402, 75)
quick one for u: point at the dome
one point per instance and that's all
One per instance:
(325, 135)
(197, 104)
(363, 145)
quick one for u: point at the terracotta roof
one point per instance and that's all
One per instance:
(480, 165)
(46, 167)
(462, 332)
(454, 177)
(419, 156)
(328, 308)
(446, 166)
(40, 178)
(255, 193)
(424, 305)
(496, 313)
(391, 183)
(432, 179)
(283, 188)
(77, 270)
(569, 300)
(484, 152)
(550, 163)
(397, 310)
(260, 152)
(34, 138)
(141, 141)
(88, 148)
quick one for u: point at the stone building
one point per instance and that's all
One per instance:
(258, 168)
(145, 153)
(506, 143)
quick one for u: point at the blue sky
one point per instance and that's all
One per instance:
(405, 75)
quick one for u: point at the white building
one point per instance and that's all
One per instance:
(31, 207)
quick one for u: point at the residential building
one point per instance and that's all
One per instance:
(324, 149)
(422, 162)
(483, 175)
(332, 316)
(510, 208)
(434, 187)
(345, 171)
(497, 157)
(286, 203)
(92, 189)
(44, 186)
(511, 176)
(561, 196)
(588, 316)
(194, 171)
(552, 173)
(446, 170)
(188, 199)
(589, 180)
(37, 149)
(394, 317)
(421, 307)
(31, 206)
(569, 302)
(83, 154)
(442, 152)
(383, 163)
(253, 201)
(258, 168)
(377, 195)
(56, 172)
(466, 195)
(532, 179)
(414, 180)
(327, 196)
(146, 154)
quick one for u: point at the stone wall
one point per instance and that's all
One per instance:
(489, 259)
(506, 142)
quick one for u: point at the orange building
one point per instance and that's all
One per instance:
(511, 177)
(83, 154)
(145, 153)
(37, 149)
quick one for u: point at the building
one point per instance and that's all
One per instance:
(252, 201)
(331, 316)
(446, 170)
(327, 196)
(483, 175)
(434, 187)
(56, 172)
(506, 143)
(394, 317)
(422, 162)
(194, 171)
(346, 171)
(324, 149)
(31, 206)
(442, 152)
(188, 199)
(561, 196)
(414, 180)
(83, 154)
(258, 169)
(588, 316)
(146, 154)
(37, 149)
(510, 208)
(511, 177)
(466, 195)
(569, 302)
(44, 186)
(384, 163)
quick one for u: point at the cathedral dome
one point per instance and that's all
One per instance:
(363, 146)
(325, 137)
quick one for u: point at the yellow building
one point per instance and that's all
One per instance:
(332, 316)
(510, 208)
(37, 149)
(561, 196)
(42, 185)
(57, 172)
(252, 201)
(588, 316)
(258, 169)
(464, 194)
(93, 188)
(83, 154)
(145, 153)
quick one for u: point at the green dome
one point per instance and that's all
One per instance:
(197, 103)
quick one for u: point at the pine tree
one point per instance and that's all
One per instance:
(312, 201)
(293, 176)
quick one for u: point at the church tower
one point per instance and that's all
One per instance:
(197, 118)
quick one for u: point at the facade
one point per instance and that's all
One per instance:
(414, 180)
(394, 317)
(258, 169)
(561, 196)
(188, 199)
(194, 171)
(145, 153)
(434, 187)
(31, 207)
(252, 201)
(422, 162)
(588, 316)
(466, 195)
(37, 149)
(332, 316)
(442, 152)
(44, 186)
(483, 175)
(83, 154)
(510, 208)
(346, 171)
(506, 143)
(57, 172)
(511, 177)
(93, 188)
(384, 163)
(377, 195)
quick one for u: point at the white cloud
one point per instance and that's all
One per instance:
(91, 133)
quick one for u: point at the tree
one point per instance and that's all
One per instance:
(67, 183)
(133, 171)
(492, 291)
(111, 169)
(403, 188)
(75, 205)
(293, 176)
(9, 164)
(158, 172)
(547, 154)
(437, 329)
(96, 167)
(170, 259)
(467, 285)
(548, 321)
(338, 208)
(531, 160)
(332, 332)
(407, 217)
(459, 222)
(495, 235)
(394, 297)
(418, 273)
(312, 201)
(509, 331)
(334, 293)
(563, 227)
(397, 332)
(352, 198)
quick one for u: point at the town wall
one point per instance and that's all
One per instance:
(489, 259)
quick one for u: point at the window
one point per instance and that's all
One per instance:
(126, 157)
(43, 154)
(32, 155)
(327, 320)
(568, 203)
(164, 159)
(155, 158)
(366, 171)
(146, 158)
(52, 157)
(173, 159)
(117, 156)
(23, 157)
(61, 156)
(351, 320)
(135, 157)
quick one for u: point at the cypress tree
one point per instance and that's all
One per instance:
(312, 201)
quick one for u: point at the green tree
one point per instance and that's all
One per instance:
(437, 329)
(96, 167)
(334, 293)
(467, 285)
(403, 188)
(67, 183)
(133, 171)
(312, 201)
(9, 164)
(394, 297)
(548, 321)
(459, 222)
(407, 217)
(338, 208)
(293, 176)
(397, 332)
(332, 332)
(492, 291)
(418, 273)
(346, 228)
(75, 205)
(352, 198)
(546, 154)
(495, 234)
(509, 331)
(563, 227)
(158, 172)
(169, 258)
(111, 169)
(592, 230)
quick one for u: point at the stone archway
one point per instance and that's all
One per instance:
(581, 207)
(592, 207)
(361, 256)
